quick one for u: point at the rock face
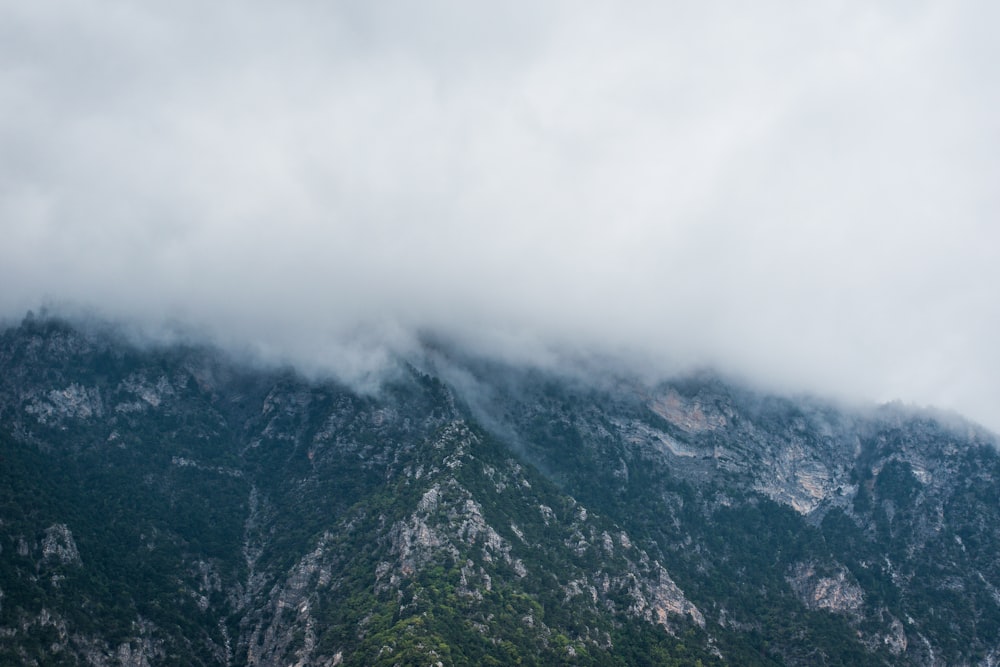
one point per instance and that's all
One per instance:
(837, 592)
(58, 546)
(57, 405)
(171, 506)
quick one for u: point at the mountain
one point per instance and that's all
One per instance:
(172, 505)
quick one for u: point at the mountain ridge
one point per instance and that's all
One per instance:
(200, 511)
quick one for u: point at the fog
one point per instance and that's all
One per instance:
(803, 195)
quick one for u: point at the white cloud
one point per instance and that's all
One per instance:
(804, 194)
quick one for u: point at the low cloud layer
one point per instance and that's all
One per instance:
(803, 194)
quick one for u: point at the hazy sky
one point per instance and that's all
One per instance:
(803, 193)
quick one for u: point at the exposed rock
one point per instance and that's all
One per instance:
(289, 610)
(58, 546)
(74, 401)
(689, 415)
(663, 598)
(895, 640)
(151, 394)
(838, 591)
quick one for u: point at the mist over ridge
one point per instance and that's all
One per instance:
(801, 197)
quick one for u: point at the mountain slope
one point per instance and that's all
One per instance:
(172, 506)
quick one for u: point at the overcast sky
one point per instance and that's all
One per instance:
(805, 194)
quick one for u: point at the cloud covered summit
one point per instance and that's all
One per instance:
(801, 194)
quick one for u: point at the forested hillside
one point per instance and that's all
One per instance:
(170, 505)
